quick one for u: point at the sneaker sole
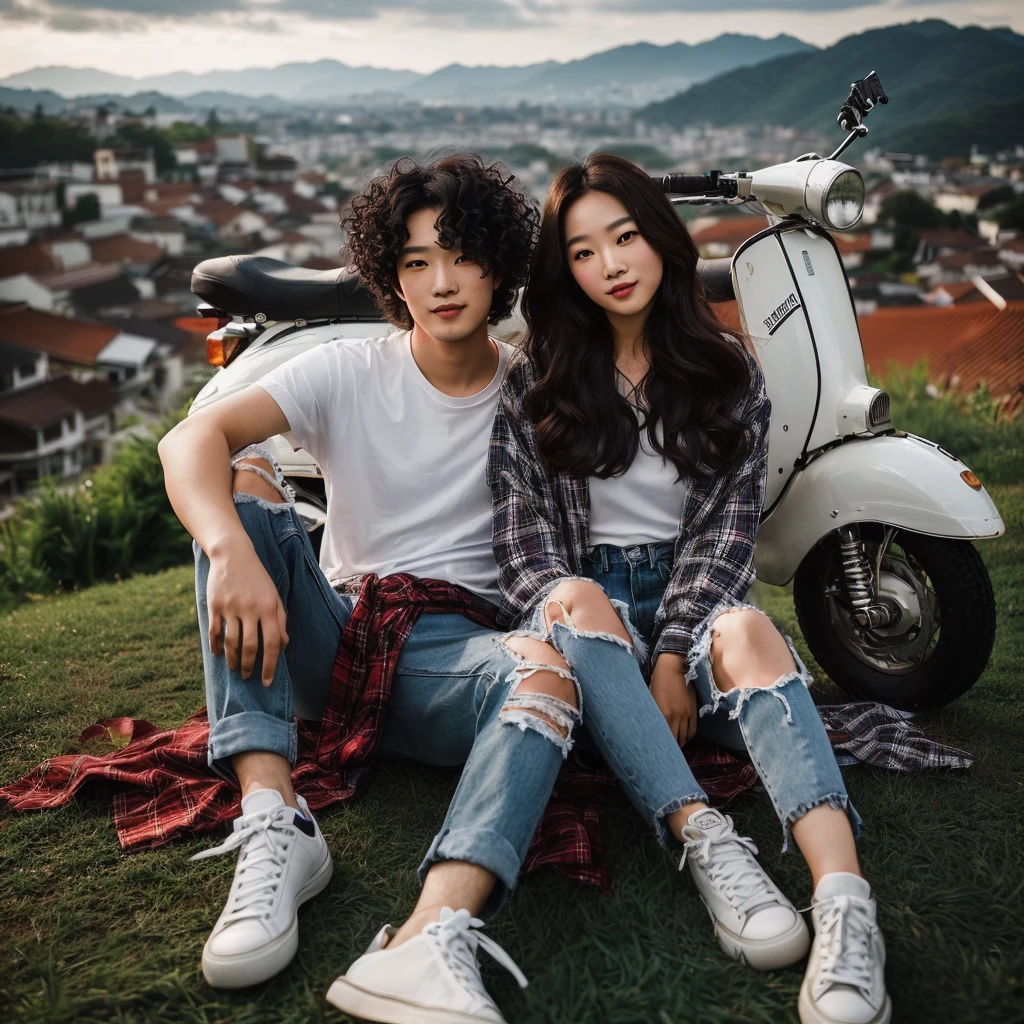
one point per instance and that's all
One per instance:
(767, 954)
(258, 965)
(389, 1009)
(810, 1014)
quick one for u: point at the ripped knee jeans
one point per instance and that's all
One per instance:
(778, 726)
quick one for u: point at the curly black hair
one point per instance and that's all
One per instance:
(484, 211)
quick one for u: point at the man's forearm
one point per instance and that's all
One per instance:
(197, 474)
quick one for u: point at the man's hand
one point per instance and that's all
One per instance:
(675, 696)
(243, 603)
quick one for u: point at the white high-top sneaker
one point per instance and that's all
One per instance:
(433, 978)
(845, 979)
(753, 920)
(283, 861)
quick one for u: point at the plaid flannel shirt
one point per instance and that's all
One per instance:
(541, 519)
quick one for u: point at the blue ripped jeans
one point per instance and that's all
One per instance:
(453, 702)
(778, 726)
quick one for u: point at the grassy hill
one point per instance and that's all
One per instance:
(92, 935)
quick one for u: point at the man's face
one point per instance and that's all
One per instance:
(446, 293)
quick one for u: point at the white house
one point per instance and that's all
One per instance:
(29, 204)
(108, 193)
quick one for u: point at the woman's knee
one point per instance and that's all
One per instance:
(583, 604)
(747, 650)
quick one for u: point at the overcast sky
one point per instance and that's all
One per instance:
(140, 37)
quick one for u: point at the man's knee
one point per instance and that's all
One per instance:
(247, 481)
(544, 696)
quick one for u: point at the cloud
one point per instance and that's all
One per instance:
(802, 6)
(77, 15)
(714, 6)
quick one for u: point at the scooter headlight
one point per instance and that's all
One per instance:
(843, 202)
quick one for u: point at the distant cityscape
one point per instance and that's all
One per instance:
(101, 227)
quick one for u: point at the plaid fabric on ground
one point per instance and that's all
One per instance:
(163, 785)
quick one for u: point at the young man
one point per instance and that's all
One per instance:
(400, 427)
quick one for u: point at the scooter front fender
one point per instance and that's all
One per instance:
(899, 480)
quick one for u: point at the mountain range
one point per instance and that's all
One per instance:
(930, 70)
(632, 74)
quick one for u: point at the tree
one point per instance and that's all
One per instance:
(138, 136)
(909, 209)
(87, 207)
(1011, 216)
(998, 196)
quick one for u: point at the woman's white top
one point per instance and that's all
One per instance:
(642, 506)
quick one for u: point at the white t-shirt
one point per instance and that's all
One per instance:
(642, 506)
(404, 464)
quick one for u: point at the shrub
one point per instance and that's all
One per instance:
(970, 425)
(115, 522)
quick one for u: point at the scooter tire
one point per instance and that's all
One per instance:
(967, 616)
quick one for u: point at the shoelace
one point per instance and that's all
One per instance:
(845, 927)
(729, 862)
(459, 939)
(259, 872)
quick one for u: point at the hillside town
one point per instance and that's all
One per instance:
(98, 332)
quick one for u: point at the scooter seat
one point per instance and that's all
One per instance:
(248, 285)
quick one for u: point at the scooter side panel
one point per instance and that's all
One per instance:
(905, 482)
(821, 278)
(773, 317)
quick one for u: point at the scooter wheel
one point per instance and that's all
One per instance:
(942, 639)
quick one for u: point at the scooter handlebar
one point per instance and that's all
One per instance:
(693, 184)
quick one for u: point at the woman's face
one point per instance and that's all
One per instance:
(611, 261)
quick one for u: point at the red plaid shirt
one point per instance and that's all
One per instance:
(164, 787)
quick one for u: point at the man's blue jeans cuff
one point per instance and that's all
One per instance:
(486, 849)
(248, 731)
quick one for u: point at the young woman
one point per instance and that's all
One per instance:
(628, 471)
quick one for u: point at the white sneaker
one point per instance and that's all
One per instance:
(283, 861)
(753, 920)
(433, 978)
(845, 979)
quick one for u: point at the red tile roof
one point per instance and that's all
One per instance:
(848, 242)
(978, 257)
(219, 211)
(25, 259)
(956, 290)
(92, 398)
(35, 408)
(133, 185)
(78, 277)
(124, 249)
(949, 238)
(70, 340)
(964, 344)
(730, 231)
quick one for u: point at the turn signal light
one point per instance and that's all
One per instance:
(222, 347)
(970, 479)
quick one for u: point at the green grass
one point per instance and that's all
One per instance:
(90, 934)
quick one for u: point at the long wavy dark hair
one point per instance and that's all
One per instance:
(582, 424)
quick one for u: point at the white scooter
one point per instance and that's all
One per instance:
(874, 526)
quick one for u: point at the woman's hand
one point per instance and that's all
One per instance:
(675, 696)
(243, 604)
